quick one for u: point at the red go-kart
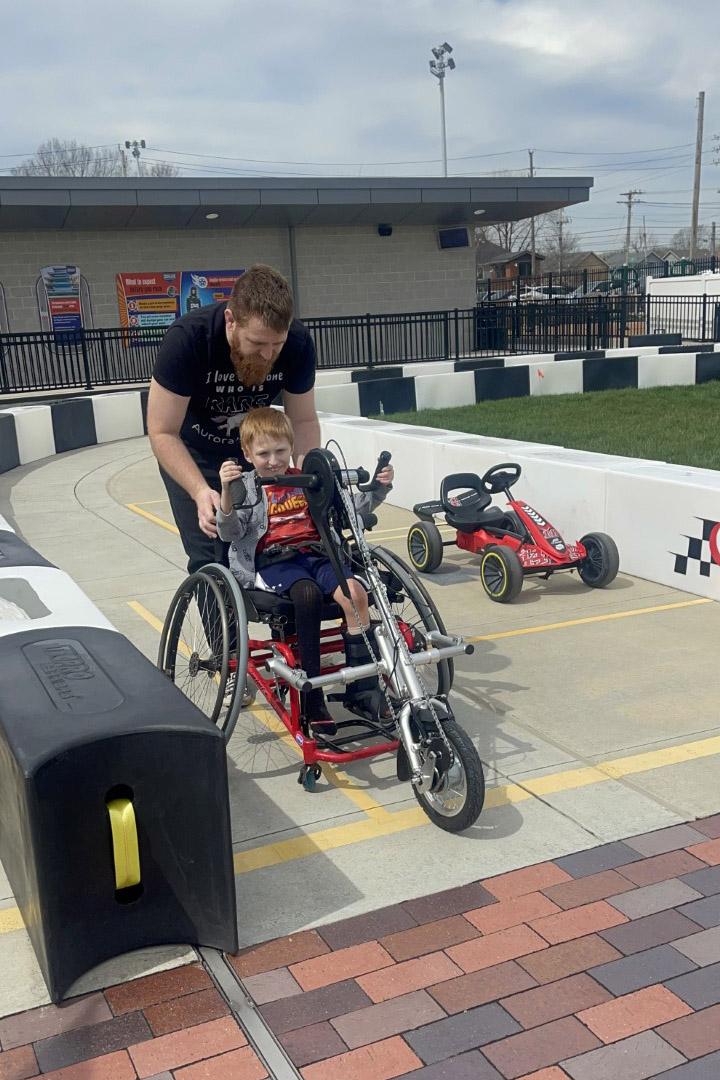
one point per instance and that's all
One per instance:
(511, 543)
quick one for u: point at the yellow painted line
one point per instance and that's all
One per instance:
(326, 840)
(10, 919)
(377, 533)
(592, 619)
(146, 615)
(386, 823)
(152, 517)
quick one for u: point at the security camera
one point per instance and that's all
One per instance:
(384, 230)
(437, 53)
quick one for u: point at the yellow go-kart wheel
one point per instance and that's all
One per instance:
(425, 546)
(501, 573)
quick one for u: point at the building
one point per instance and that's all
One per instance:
(348, 246)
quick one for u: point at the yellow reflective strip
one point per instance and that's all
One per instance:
(126, 855)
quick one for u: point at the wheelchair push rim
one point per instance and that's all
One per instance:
(204, 646)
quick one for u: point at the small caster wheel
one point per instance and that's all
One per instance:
(309, 775)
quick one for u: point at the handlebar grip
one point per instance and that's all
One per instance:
(238, 491)
(384, 459)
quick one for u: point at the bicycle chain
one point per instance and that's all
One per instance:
(367, 557)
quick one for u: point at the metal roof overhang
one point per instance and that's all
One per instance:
(30, 203)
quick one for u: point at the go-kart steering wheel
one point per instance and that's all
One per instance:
(500, 477)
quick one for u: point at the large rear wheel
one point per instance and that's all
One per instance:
(425, 546)
(204, 644)
(601, 563)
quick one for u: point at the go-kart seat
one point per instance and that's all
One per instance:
(470, 508)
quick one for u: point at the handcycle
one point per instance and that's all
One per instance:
(207, 651)
(512, 544)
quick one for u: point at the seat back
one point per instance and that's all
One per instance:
(471, 498)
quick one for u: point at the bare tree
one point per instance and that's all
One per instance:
(556, 241)
(509, 235)
(160, 168)
(66, 157)
(680, 240)
(641, 244)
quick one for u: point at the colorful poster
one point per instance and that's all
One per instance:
(156, 299)
(62, 289)
(148, 299)
(201, 287)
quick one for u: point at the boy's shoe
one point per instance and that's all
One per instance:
(229, 689)
(322, 722)
(230, 692)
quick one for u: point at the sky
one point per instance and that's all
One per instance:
(334, 88)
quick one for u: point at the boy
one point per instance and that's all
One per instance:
(282, 520)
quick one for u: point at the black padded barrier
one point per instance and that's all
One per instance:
(395, 395)
(86, 718)
(15, 552)
(636, 340)
(73, 424)
(9, 453)
(497, 383)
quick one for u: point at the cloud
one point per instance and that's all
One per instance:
(347, 85)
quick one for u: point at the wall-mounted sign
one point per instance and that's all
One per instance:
(62, 293)
(151, 299)
(148, 299)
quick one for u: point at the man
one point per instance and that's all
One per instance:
(213, 366)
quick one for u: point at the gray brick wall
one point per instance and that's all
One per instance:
(341, 271)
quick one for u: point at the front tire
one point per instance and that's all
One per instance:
(602, 562)
(501, 573)
(458, 794)
(425, 546)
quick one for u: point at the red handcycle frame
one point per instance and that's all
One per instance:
(331, 641)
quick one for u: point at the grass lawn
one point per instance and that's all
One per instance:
(667, 423)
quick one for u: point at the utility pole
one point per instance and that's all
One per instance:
(136, 148)
(532, 226)
(712, 239)
(562, 220)
(628, 201)
(696, 184)
(123, 160)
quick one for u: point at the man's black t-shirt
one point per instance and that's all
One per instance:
(194, 361)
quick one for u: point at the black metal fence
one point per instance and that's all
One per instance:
(598, 281)
(86, 359)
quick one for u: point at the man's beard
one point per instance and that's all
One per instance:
(250, 370)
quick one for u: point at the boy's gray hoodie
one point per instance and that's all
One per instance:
(244, 528)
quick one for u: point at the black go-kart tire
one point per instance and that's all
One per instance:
(456, 803)
(425, 546)
(501, 573)
(602, 562)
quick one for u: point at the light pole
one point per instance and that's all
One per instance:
(136, 148)
(438, 67)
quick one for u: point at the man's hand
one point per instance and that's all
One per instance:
(207, 502)
(385, 476)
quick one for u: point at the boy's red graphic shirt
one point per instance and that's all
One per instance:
(289, 519)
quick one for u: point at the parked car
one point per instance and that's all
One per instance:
(545, 292)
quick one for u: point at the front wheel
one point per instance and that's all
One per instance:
(458, 792)
(501, 573)
(601, 563)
